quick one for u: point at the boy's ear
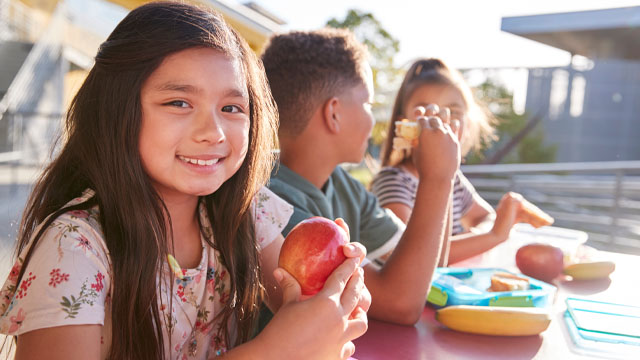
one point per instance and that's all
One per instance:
(331, 114)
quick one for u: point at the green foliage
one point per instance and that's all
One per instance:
(533, 150)
(530, 150)
(381, 44)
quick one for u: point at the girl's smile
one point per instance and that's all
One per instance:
(203, 163)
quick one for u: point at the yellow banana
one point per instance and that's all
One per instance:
(495, 320)
(590, 270)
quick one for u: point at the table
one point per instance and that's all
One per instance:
(428, 339)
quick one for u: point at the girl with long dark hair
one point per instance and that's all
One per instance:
(150, 235)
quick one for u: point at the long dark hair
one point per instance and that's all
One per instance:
(479, 128)
(101, 153)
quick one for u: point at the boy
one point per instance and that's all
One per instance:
(323, 87)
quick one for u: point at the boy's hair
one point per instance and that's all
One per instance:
(101, 152)
(479, 127)
(305, 69)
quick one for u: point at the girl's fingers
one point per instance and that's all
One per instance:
(365, 299)
(355, 250)
(418, 111)
(432, 110)
(351, 295)
(340, 222)
(347, 350)
(337, 281)
(357, 325)
(455, 126)
(445, 115)
(290, 288)
(435, 123)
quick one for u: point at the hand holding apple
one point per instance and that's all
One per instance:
(337, 312)
(313, 250)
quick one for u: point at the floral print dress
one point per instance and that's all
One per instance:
(68, 282)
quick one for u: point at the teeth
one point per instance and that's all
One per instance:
(198, 161)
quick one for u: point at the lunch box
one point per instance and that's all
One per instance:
(469, 286)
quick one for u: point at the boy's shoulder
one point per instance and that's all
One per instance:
(344, 180)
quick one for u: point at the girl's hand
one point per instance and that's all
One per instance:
(507, 214)
(437, 155)
(356, 250)
(337, 312)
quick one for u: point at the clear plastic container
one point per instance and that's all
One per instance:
(568, 240)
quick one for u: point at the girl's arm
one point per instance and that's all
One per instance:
(480, 211)
(467, 245)
(445, 251)
(60, 342)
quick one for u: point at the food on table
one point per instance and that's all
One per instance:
(312, 251)
(540, 261)
(532, 214)
(495, 320)
(503, 281)
(590, 270)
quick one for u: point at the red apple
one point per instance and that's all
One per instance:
(540, 261)
(312, 251)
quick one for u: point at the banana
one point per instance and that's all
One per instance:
(590, 270)
(495, 320)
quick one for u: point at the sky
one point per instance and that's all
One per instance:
(465, 33)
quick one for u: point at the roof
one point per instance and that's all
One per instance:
(255, 24)
(597, 34)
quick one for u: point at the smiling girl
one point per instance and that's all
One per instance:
(150, 235)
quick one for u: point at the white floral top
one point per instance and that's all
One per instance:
(68, 282)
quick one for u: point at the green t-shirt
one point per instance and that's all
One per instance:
(378, 229)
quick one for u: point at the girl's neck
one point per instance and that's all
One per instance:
(185, 231)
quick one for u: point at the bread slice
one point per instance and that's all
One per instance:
(502, 281)
(531, 214)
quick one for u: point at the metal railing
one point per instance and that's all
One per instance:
(600, 198)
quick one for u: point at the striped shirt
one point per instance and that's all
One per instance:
(396, 185)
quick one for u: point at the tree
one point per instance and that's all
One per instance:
(381, 45)
(529, 149)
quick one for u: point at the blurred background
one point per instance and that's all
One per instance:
(563, 78)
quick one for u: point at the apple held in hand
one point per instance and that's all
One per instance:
(312, 251)
(540, 261)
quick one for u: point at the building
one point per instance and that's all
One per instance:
(590, 108)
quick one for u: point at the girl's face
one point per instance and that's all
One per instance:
(195, 122)
(443, 95)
